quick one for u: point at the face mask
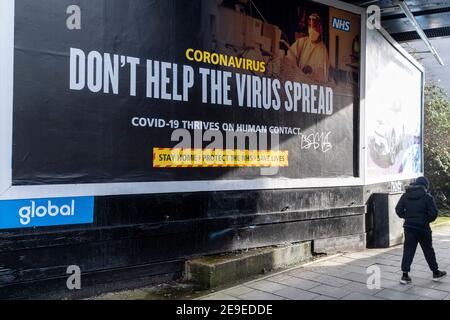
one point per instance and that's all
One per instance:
(313, 35)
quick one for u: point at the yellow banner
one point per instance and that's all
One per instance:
(205, 158)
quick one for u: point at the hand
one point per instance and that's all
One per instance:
(307, 70)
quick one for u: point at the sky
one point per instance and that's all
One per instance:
(434, 72)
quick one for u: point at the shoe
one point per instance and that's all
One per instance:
(405, 279)
(438, 275)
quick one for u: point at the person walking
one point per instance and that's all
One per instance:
(418, 208)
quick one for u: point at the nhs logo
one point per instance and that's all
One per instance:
(46, 212)
(341, 24)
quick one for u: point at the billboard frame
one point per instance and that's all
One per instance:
(370, 180)
(9, 191)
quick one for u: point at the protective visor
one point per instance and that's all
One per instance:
(315, 22)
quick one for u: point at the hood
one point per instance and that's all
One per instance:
(415, 192)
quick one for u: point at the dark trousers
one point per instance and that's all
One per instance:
(412, 238)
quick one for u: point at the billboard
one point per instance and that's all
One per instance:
(394, 108)
(178, 91)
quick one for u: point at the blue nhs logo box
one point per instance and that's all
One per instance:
(341, 24)
(46, 212)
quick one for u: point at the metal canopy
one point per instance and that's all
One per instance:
(408, 20)
(432, 15)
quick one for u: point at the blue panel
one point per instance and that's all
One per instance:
(46, 212)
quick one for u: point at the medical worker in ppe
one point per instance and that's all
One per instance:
(310, 53)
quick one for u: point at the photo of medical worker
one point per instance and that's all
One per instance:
(300, 41)
(310, 53)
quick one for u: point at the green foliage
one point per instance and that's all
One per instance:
(437, 143)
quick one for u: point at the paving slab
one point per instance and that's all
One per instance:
(266, 286)
(221, 296)
(238, 291)
(345, 277)
(394, 276)
(324, 298)
(330, 291)
(428, 293)
(260, 295)
(296, 294)
(357, 287)
(395, 285)
(360, 296)
(355, 277)
(325, 279)
(296, 282)
(396, 295)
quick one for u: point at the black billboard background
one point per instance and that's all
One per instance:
(65, 137)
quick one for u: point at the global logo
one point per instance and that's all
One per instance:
(341, 24)
(32, 213)
(28, 213)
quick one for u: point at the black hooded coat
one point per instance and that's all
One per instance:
(417, 207)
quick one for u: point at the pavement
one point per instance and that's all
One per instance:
(345, 277)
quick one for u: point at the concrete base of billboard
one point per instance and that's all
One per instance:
(143, 240)
(385, 227)
(214, 271)
(350, 243)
